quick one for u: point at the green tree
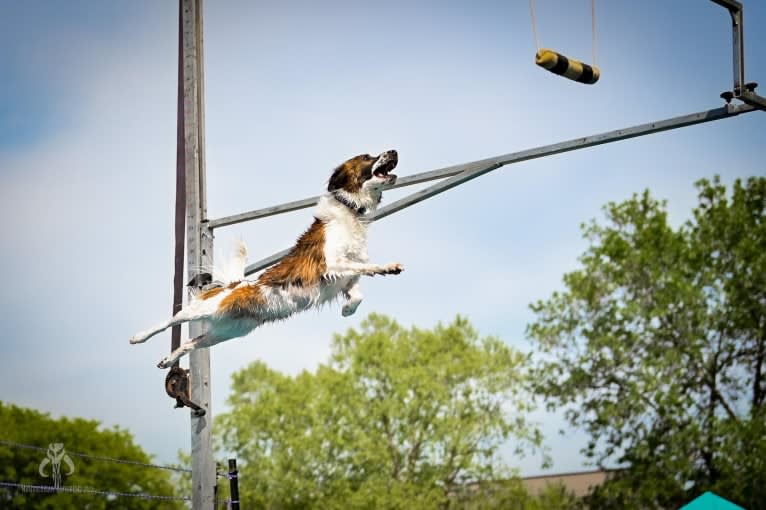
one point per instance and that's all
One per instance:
(21, 465)
(512, 494)
(397, 419)
(657, 349)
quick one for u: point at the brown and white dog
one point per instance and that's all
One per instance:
(326, 261)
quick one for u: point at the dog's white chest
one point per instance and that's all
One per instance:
(345, 238)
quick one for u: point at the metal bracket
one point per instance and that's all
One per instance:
(742, 91)
(753, 99)
(200, 280)
(177, 385)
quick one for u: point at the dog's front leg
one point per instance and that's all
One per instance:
(204, 340)
(354, 297)
(143, 336)
(362, 269)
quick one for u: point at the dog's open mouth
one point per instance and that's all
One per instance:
(383, 170)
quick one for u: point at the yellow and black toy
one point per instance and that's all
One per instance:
(563, 66)
(567, 67)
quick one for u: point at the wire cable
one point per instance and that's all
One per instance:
(97, 457)
(534, 23)
(74, 489)
(593, 30)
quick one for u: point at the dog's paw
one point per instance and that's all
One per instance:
(165, 362)
(349, 309)
(393, 268)
(136, 339)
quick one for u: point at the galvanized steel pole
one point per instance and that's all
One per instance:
(742, 90)
(199, 243)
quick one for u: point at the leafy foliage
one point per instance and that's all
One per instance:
(397, 419)
(19, 465)
(657, 347)
(512, 494)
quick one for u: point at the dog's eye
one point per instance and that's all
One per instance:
(367, 157)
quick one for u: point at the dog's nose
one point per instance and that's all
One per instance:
(391, 154)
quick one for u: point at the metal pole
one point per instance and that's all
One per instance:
(460, 174)
(234, 484)
(180, 210)
(738, 48)
(450, 171)
(738, 57)
(742, 90)
(199, 245)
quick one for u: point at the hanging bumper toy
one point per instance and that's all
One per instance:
(567, 67)
(563, 66)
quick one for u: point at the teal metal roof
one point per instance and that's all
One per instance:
(710, 501)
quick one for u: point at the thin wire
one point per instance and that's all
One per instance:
(534, 23)
(593, 29)
(74, 489)
(97, 457)
(88, 490)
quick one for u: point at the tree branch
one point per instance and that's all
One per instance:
(391, 447)
(717, 396)
(758, 389)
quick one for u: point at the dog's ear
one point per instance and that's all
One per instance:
(338, 180)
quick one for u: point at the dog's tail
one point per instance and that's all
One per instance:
(233, 268)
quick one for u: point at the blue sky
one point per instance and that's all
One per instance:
(87, 159)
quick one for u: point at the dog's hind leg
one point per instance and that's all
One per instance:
(354, 297)
(190, 313)
(204, 340)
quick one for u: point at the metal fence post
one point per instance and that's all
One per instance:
(234, 484)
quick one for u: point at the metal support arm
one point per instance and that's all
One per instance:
(459, 174)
